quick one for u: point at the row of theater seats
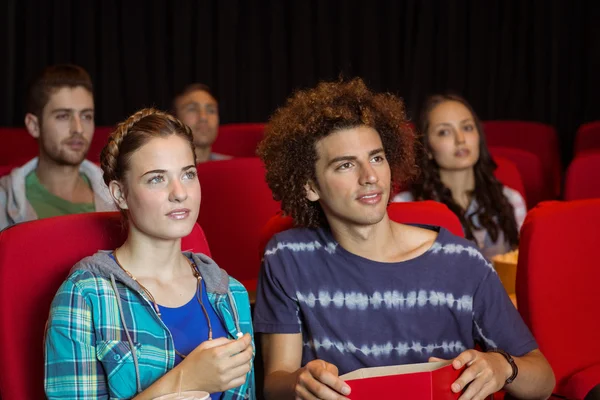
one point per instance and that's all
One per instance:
(234, 193)
(556, 281)
(531, 147)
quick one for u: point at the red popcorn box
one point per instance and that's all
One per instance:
(427, 381)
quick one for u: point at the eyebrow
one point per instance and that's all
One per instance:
(448, 124)
(70, 110)
(162, 171)
(352, 158)
(196, 103)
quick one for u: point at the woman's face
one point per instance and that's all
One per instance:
(161, 189)
(453, 136)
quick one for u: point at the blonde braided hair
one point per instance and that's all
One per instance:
(133, 133)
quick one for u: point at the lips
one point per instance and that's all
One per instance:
(370, 197)
(76, 144)
(462, 152)
(179, 214)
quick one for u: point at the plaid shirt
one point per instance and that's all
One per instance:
(88, 354)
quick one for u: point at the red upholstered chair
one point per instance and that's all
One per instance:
(99, 140)
(17, 146)
(35, 258)
(239, 140)
(583, 177)
(530, 169)
(508, 174)
(417, 212)
(587, 137)
(5, 170)
(537, 138)
(557, 290)
(236, 203)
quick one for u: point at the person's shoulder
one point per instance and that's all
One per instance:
(459, 251)
(300, 240)
(90, 271)
(403, 197)
(219, 156)
(513, 196)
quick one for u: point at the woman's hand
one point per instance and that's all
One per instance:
(220, 364)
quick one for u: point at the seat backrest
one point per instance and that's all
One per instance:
(239, 140)
(558, 280)
(17, 146)
(583, 177)
(587, 137)
(427, 212)
(508, 174)
(5, 169)
(537, 138)
(236, 203)
(99, 140)
(530, 169)
(35, 258)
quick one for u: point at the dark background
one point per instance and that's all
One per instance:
(512, 59)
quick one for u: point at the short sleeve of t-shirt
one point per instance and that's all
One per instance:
(496, 322)
(277, 309)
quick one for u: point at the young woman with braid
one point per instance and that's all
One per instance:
(457, 170)
(146, 318)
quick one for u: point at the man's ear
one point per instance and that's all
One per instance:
(32, 124)
(118, 194)
(312, 193)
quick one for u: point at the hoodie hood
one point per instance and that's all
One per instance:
(102, 264)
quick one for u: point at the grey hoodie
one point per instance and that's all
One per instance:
(15, 208)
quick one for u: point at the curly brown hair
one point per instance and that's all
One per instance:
(288, 148)
(495, 213)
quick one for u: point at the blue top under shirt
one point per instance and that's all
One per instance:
(189, 328)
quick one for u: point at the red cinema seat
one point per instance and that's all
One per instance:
(239, 140)
(99, 140)
(5, 170)
(508, 174)
(537, 138)
(557, 290)
(17, 146)
(236, 204)
(583, 177)
(530, 169)
(427, 212)
(587, 137)
(35, 258)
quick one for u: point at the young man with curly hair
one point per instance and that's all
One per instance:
(350, 288)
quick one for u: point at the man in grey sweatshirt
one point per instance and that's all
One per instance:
(60, 115)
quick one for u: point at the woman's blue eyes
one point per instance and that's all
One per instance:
(160, 178)
(190, 174)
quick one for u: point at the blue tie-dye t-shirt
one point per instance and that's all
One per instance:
(357, 313)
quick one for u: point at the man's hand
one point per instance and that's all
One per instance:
(485, 374)
(320, 380)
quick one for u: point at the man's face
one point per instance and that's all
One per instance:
(353, 177)
(200, 111)
(67, 126)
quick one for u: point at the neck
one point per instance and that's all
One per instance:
(60, 180)
(202, 153)
(375, 242)
(461, 183)
(145, 257)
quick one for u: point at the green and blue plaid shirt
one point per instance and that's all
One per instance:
(88, 354)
